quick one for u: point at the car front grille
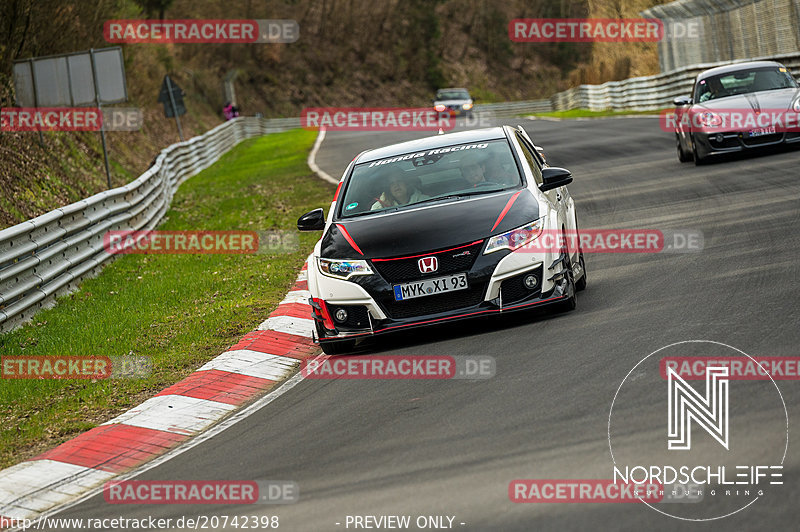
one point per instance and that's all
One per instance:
(401, 270)
(446, 302)
(763, 139)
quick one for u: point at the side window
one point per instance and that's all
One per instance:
(533, 161)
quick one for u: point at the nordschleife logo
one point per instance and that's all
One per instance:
(685, 405)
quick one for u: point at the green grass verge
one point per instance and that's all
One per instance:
(586, 113)
(179, 310)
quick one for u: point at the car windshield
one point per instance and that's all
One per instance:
(452, 95)
(439, 174)
(743, 81)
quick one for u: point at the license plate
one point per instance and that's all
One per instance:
(430, 287)
(761, 131)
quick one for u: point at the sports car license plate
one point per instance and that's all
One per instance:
(761, 131)
(430, 287)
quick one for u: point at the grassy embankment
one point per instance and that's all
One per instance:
(178, 310)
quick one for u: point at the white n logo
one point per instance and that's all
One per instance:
(686, 404)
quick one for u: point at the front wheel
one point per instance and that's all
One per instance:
(572, 301)
(580, 284)
(338, 347)
(682, 155)
(698, 160)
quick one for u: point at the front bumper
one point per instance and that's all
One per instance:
(733, 141)
(496, 286)
(457, 110)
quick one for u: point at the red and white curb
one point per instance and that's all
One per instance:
(248, 369)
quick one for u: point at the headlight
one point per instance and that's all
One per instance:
(516, 238)
(709, 119)
(343, 269)
(466, 106)
(796, 106)
(439, 108)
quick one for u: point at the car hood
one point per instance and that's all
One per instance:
(778, 100)
(434, 227)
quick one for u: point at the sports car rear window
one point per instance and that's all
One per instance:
(449, 172)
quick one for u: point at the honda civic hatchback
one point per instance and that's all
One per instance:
(440, 229)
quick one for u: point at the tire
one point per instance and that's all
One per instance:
(339, 347)
(571, 302)
(698, 161)
(580, 284)
(335, 347)
(682, 155)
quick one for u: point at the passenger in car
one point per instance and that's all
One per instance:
(398, 190)
(473, 169)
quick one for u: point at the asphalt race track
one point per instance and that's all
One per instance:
(451, 447)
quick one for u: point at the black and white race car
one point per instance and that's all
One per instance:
(441, 229)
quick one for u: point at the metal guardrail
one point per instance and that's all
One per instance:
(511, 109)
(727, 30)
(48, 256)
(648, 92)
(635, 94)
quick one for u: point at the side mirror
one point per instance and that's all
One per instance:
(680, 102)
(312, 221)
(554, 177)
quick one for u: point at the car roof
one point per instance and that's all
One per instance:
(726, 69)
(433, 142)
(453, 89)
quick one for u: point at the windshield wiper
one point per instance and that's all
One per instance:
(478, 191)
(435, 198)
